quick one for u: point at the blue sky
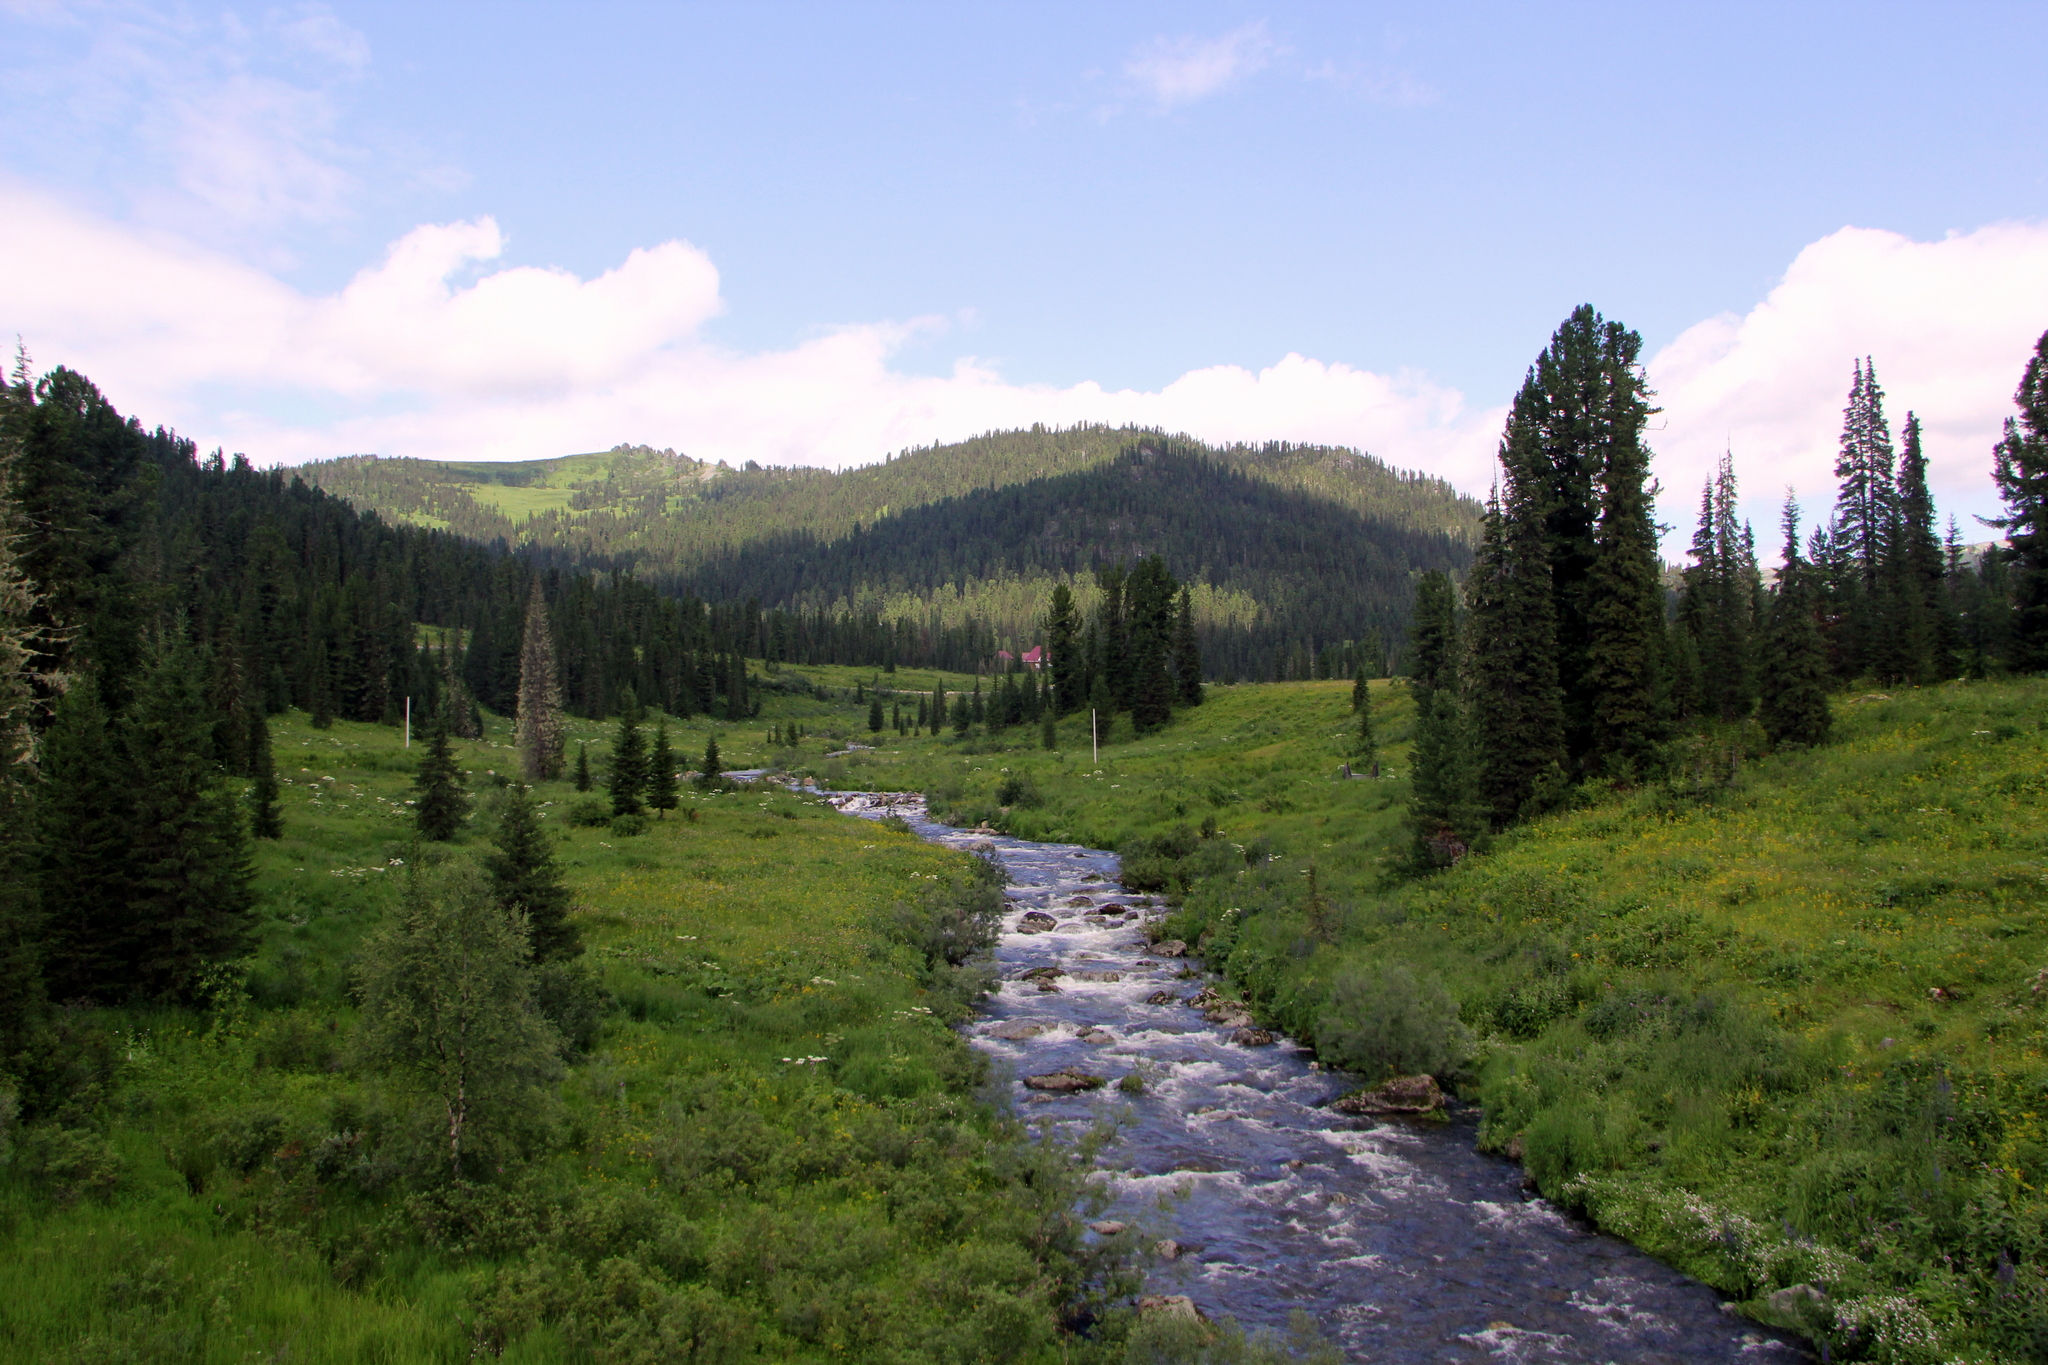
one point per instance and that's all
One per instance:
(887, 225)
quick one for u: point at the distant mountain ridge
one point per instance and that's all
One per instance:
(1291, 547)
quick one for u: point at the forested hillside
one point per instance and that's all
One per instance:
(925, 544)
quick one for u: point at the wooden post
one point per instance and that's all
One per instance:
(1093, 743)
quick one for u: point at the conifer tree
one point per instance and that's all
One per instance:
(1432, 639)
(1864, 503)
(81, 856)
(582, 766)
(661, 772)
(541, 729)
(1112, 648)
(1925, 627)
(1717, 614)
(2020, 473)
(1793, 705)
(1368, 741)
(527, 883)
(1625, 648)
(190, 899)
(1445, 814)
(439, 803)
(1148, 606)
(875, 716)
(629, 768)
(265, 822)
(1187, 653)
(708, 776)
(1048, 730)
(1515, 700)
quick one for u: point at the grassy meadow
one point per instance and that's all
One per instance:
(1777, 1018)
(775, 1150)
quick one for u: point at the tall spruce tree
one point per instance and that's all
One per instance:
(439, 803)
(1149, 596)
(1793, 672)
(1445, 814)
(1853, 577)
(1626, 648)
(541, 729)
(661, 772)
(1717, 614)
(712, 766)
(2020, 472)
(526, 881)
(1515, 699)
(1924, 626)
(1432, 639)
(265, 821)
(629, 768)
(1112, 647)
(582, 766)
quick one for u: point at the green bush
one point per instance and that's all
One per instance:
(590, 813)
(630, 824)
(1384, 1021)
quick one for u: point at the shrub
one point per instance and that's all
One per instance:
(629, 825)
(568, 995)
(1016, 789)
(590, 813)
(1385, 1022)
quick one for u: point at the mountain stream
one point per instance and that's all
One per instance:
(1403, 1241)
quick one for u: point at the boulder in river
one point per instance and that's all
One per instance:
(1108, 1227)
(1016, 1030)
(1172, 947)
(1080, 900)
(1096, 1037)
(1168, 1249)
(1042, 974)
(1065, 1081)
(1172, 1305)
(1035, 922)
(1160, 998)
(1402, 1095)
(1098, 976)
(1252, 1037)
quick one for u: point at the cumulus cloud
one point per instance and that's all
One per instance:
(522, 362)
(1176, 71)
(1949, 325)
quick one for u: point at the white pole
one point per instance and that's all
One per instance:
(1094, 743)
(408, 722)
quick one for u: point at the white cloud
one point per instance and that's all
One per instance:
(1949, 325)
(1176, 71)
(526, 362)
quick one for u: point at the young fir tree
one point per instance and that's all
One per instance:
(2020, 472)
(1515, 700)
(1853, 576)
(629, 768)
(582, 766)
(1361, 694)
(1793, 676)
(1717, 614)
(541, 729)
(661, 772)
(1187, 653)
(1445, 814)
(190, 898)
(1368, 740)
(265, 821)
(875, 716)
(1432, 638)
(448, 1010)
(527, 883)
(1920, 571)
(439, 803)
(708, 775)
(1048, 730)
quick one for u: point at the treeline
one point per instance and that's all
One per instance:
(1565, 661)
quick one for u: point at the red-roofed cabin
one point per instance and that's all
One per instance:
(1034, 658)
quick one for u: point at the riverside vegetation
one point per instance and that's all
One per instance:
(1778, 1019)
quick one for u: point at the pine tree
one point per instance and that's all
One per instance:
(875, 716)
(1625, 648)
(265, 822)
(541, 729)
(661, 772)
(439, 803)
(1926, 625)
(1717, 614)
(1445, 814)
(1515, 700)
(1793, 706)
(712, 767)
(1432, 638)
(1149, 597)
(2020, 472)
(189, 896)
(81, 856)
(1187, 653)
(629, 768)
(1865, 501)
(582, 766)
(527, 883)
(1112, 648)
(1361, 694)
(1368, 741)
(1048, 731)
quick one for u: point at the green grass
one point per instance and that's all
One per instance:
(243, 1192)
(1778, 1019)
